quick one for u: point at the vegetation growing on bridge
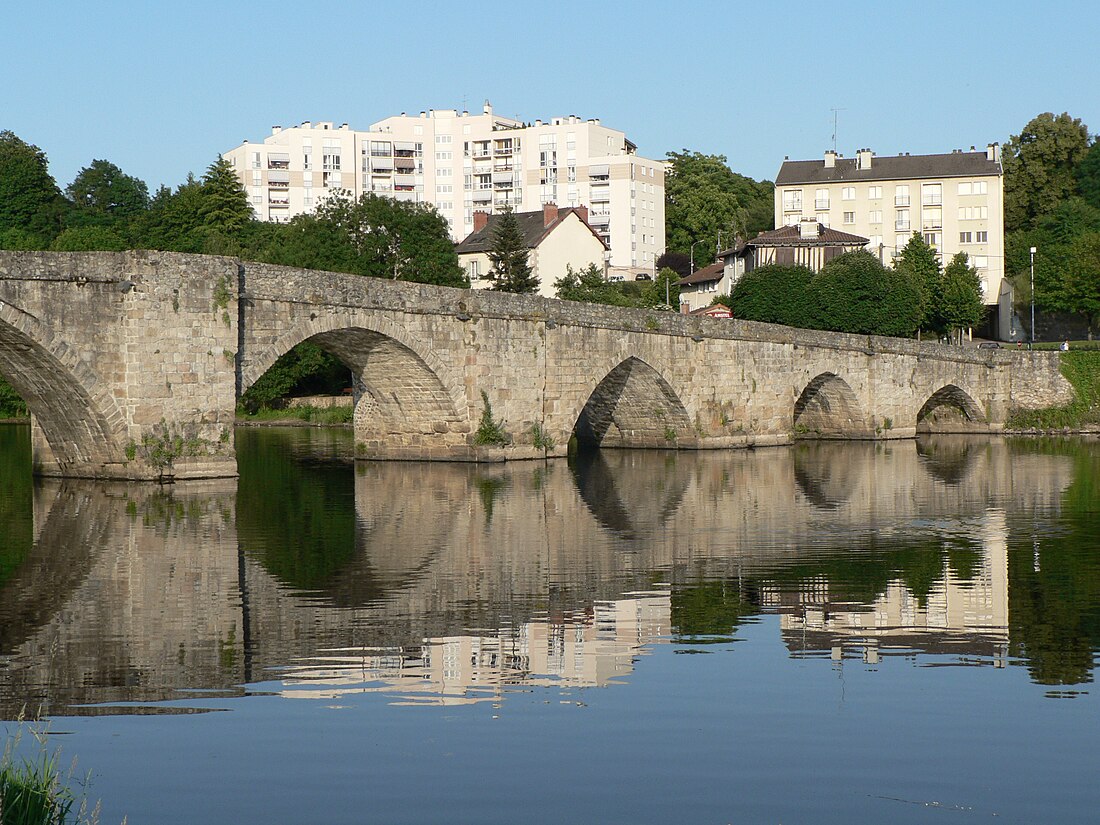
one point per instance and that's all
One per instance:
(1082, 369)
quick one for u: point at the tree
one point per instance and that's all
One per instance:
(30, 202)
(1040, 166)
(508, 257)
(676, 261)
(374, 236)
(774, 294)
(663, 291)
(961, 304)
(918, 263)
(101, 193)
(225, 206)
(89, 239)
(705, 198)
(1088, 175)
(854, 292)
(589, 285)
(1082, 280)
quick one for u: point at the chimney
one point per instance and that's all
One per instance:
(863, 158)
(481, 220)
(582, 212)
(830, 159)
(809, 228)
(993, 152)
(307, 124)
(685, 309)
(549, 213)
(276, 129)
(487, 109)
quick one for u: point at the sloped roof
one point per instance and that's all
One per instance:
(531, 227)
(704, 275)
(888, 167)
(792, 236)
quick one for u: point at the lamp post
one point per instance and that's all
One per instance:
(691, 257)
(1033, 296)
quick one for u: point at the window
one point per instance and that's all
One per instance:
(980, 187)
(849, 217)
(900, 242)
(901, 195)
(823, 219)
(934, 239)
(848, 193)
(307, 161)
(966, 237)
(792, 200)
(874, 192)
(973, 213)
(330, 162)
(931, 218)
(444, 189)
(821, 199)
(901, 219)
(965, 188)
(442, 138)
(443, 173)
(874, 242)
(255, 160)
(981, 237)
(443, 155)
(980, 261)
(875, 216)
(931, 194)
(473, 269)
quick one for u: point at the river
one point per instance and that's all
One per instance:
(830, 632)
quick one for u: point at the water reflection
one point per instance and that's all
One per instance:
(460, 583)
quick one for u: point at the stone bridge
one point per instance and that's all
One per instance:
(131, 364)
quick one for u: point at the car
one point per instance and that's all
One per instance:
(989, 345)
(643, 276)
(615, 278)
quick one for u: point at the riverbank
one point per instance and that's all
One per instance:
(1082, 369)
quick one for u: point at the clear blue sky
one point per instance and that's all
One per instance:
(160, 88)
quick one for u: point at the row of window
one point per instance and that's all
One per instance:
(931, 194)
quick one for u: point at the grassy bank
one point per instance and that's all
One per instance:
(315, 416)
(1082, 369)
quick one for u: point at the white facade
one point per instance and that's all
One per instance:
(462, 162)
(955, 201)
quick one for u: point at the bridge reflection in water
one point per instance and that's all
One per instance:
(458, 583)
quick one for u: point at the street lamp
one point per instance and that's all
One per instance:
(1033, 296)
(691, 257)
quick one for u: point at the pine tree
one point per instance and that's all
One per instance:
(225, 205)
(508, 257)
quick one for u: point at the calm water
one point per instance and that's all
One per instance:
(903, 632)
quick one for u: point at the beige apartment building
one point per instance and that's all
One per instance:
(955, 200)
(463, 162)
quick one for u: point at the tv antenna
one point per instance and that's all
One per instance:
(835, 111)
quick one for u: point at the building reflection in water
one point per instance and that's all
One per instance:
(457, 583)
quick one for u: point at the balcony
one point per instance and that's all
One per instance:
(901, 226)
(278, 201)
(600, 194)
(936, 224)
(931, 200)
(482, 196)
(792, 206)
(901, 200)
(821, 203)
(599, 219)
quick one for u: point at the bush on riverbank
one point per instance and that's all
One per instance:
(11, 405)
(1082, 369)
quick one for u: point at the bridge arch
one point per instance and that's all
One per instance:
(951, 409)
(633, 406)
(77, 416)
(828, 408)
(403, 391)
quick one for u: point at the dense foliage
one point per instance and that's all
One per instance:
(1052, 203)
(589, 285)
(709, 203)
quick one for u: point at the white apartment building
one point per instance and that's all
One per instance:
(463, 162)
(955, 200)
